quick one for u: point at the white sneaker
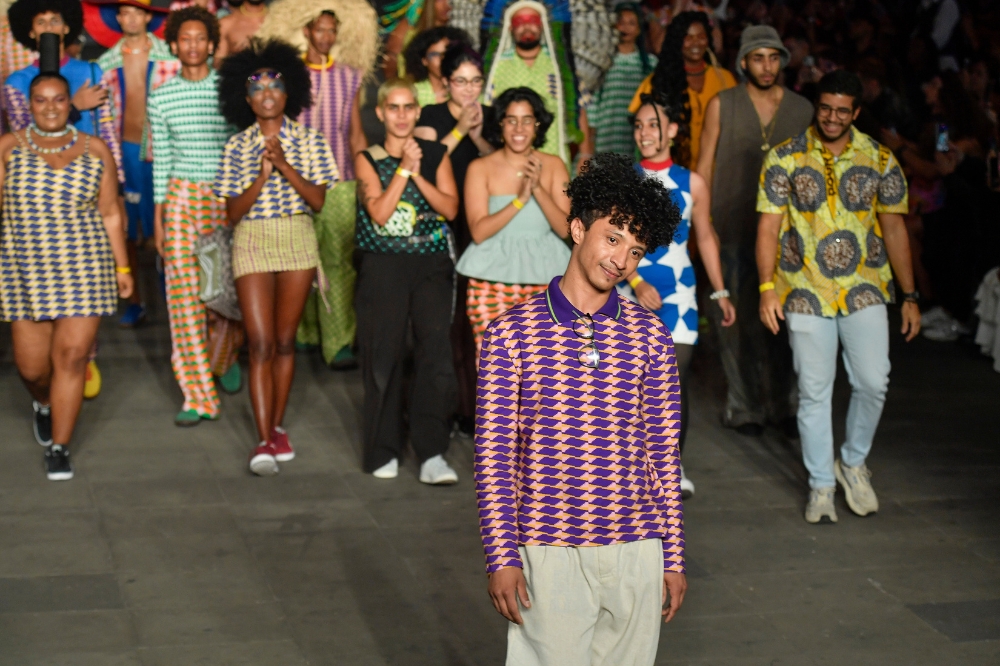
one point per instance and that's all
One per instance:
(857, 485)
(390, 470)
(687, 485)
(820, 508)
(936, 315)
(437, 472)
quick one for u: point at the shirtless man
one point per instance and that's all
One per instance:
(126, 73)
(239, 27)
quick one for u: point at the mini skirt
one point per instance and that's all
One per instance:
(274, 245)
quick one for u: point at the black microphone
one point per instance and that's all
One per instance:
(48, 53)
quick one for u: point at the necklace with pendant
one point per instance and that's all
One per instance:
(138, 51)
(50, 151)
(766, 134)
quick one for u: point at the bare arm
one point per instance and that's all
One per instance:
(550, 193)
(897, 245)
(6, 144)
(767, 249)
(379, 204)
(442, 197)
(708, 242)
(240, 205)
(709, 142)
(224, 46)
(482, 225)
(357, 138)
(110, 210)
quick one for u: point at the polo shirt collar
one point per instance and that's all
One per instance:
(562, 311)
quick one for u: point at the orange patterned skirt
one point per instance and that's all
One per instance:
(485, 301)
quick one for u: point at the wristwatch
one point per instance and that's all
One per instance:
(912, 296)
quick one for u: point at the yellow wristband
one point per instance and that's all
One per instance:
(517, 203)
(458, 135)
(123, 269)
(634, 282)
(405, 173)
(767, 286)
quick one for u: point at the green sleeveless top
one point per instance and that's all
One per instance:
(415, 227)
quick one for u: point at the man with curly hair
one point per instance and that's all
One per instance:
(188, 135)
(576, 463)
(832, 202)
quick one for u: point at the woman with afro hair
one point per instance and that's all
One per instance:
(687, 78)
(274, 176)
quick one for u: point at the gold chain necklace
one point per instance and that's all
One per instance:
(766, 134)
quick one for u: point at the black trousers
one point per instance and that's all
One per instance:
(398, 293)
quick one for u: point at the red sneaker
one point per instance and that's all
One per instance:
(283, 451)
(263, 461)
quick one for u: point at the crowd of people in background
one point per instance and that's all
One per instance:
(438, 192)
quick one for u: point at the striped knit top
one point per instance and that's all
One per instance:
(334, 88)
(568, 455)
(188, 131)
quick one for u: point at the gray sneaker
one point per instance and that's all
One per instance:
(820, 508)
(437, 472)
(857, 485)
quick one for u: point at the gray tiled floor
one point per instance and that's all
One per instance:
(164, 551)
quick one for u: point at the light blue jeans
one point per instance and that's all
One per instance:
(864, 336)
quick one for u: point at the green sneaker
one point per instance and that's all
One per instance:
(187, 418)
(232, 381)
(345, 359)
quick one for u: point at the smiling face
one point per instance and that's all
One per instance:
(695, 43)
(834, 115)
(519, 127)
(266, 94)
(762, 67)
(465, 84)
(50, 105)
(322, 33)
(133, 20)
(605, 253)
(192, 47)
(48, 22)
(399, 113)
(652, 132)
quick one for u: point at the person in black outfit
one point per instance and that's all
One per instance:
(458, 124)
(406, 195)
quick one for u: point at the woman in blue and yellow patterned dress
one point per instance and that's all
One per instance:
(63, 262)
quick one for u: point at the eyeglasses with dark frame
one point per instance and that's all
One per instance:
(588, 356)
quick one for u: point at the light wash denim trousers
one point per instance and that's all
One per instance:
(864, 336)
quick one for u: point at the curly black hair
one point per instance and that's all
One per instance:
(670, 79)
(193, 13)
(493, 132)
(417, 49)
(272, 54)
(22, 14)
(609, 184)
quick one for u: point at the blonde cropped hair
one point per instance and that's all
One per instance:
(395, 84)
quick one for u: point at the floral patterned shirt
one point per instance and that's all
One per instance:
(831, 259)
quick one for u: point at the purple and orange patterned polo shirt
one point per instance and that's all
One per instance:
(568, 455)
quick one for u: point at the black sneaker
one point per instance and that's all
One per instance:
(43, 423)
(57, 466)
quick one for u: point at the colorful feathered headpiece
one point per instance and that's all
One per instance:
(357, 32)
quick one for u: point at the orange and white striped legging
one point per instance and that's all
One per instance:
(203, 343)
(485, 301)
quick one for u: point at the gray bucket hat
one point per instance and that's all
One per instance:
(760, 37)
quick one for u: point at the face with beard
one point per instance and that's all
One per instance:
(526, 29)
(761, 67)
(834, 115)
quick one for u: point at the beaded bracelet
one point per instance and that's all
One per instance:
(716, 295)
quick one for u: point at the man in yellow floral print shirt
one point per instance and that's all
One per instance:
(831, 203)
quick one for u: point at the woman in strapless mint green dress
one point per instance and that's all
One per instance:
(516, 207)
